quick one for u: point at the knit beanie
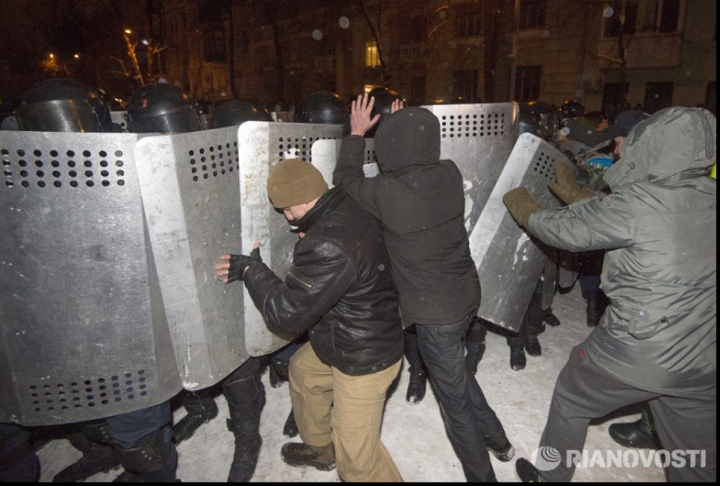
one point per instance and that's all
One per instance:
(293, 182)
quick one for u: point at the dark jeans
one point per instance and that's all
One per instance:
(584, 391)
(467, 416)
(18, 461)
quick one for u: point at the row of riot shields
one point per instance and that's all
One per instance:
(108, 299)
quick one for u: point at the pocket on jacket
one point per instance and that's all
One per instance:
(647, 322)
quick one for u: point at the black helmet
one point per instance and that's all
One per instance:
(383, 105)
(161, 108)
(571, 109)
(324, 107)
(235, 112)
(530, 120)
(548, 115)
(63, 105)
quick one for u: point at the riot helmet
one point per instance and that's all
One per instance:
(161, 108)
(235, 112)
(530, 120)
(63, 105)
(383, 105)
(324, 107)
(571, 109)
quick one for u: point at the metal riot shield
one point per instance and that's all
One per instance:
(83, 332)
(191, 195)
(509, 262)
(479, 139)
(262, 145)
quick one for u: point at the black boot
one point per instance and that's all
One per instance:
(246, 399)
(417, 386)
(199, 411)
(290, 429)
(98, 455)
(473, 358)
(301, 454)
(595, 309)
(532, 345)
(640, 434)
(517, 358)
(152, 460)
(278, 373)
(551, 319)
(526, 471)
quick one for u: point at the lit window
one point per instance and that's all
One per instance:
(372, 58)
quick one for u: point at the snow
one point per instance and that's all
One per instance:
(414, 434)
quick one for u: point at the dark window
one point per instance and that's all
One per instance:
(527, 83)
(532, 14)
(624, 19)
(711, 97)
(468, 20)
(215, 46)
(669, 16)
(614, 98)
(418, 92)
(658, 96)
(465, 86)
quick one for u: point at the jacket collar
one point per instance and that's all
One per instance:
(327, 202)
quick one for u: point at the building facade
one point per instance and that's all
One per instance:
(607, 54)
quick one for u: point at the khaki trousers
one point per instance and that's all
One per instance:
(330, 406)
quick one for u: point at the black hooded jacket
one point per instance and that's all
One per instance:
(419, 201)
(339, 287)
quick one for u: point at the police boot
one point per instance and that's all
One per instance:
(246, 399)
(152, 460)
(291, 428)
(199, 411)
(640, 434)
(517, 358)
(417, 386)
(532, 345)
(473, 358)
(551, 319)
(98, 455)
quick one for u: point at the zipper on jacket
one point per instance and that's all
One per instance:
(299, 281)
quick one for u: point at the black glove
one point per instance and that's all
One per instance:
(240, 263)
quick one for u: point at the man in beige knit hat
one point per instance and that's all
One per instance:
(339, 288)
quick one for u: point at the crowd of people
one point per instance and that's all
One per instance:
(382, 270)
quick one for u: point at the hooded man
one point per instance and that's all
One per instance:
(656, 341)
(418, 200)
(340, 288)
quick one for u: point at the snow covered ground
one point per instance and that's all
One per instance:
(414, 434)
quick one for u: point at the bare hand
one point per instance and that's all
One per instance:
(396, 106)
(222, 270)
(360, 111)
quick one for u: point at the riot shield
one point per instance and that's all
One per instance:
(83, 332)
(191, 194)
(262, 145)
(479, 139)
(510, 263)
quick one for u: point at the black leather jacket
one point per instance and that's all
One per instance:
(339, 287)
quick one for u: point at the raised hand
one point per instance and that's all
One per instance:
(360, 112)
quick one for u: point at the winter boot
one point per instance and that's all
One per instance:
(640, 434)
(152, 460)
(517, 358)
(532, 345)
(98, 455)
(301, 454)
(551, 319)
(278, 373)
(596, 304)
(199, 411)
(291, 428)
(417, 386)
(526, 471)
(246, 399)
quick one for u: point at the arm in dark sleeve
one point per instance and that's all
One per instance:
(350, 175)
(320, 276)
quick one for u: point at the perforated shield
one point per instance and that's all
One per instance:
(190, 189)
(262, 145)
(510, 263)
(83, 332)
